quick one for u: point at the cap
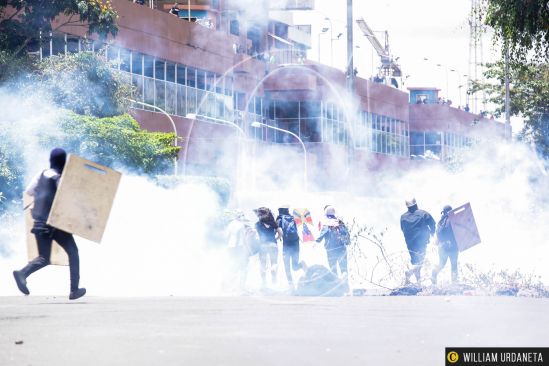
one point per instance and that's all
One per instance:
(411, 202)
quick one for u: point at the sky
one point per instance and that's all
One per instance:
(436, 30)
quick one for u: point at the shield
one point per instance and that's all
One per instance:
(464, 227)
(84, 198)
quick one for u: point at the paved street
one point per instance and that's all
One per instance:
(261, 330)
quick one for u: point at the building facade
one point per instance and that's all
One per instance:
(217, 69)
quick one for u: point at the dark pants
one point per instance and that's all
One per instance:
(290, 252)
(447, 250)
(66, 241)
(335, 256)
(417, 253)
(268, 250)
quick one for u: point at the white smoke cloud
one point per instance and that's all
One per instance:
(156, 238)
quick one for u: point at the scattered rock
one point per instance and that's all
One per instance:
(407, 290)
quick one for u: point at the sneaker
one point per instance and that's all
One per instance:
(77, 294)
(21, 282)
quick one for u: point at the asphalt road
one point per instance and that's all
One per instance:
(263, 331)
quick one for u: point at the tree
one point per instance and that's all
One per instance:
(117, 141)
(11, 169)
(84, 83)
(22, 21)
(523, 25)
(529, 98)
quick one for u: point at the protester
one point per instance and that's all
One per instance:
(336, 238)
(241, 244)
(417, 226)
(447, 246)
(175, 10)
(43, 188)
(290, 242)
(269, 233)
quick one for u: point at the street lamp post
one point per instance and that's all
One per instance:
(171, 120)
(305, 175)
(195, 116)
(322, 31)
(446, 69)
(331, 41)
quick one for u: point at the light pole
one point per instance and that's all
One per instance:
(195, 116)
(322, 31)
(331, 41)
(259, 124)
(172, 122)
(446, 69)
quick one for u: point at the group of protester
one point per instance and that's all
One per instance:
(418, 226)
(246, 239)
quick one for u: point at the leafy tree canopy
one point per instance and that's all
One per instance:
(522, 24)
(118, 141)
(84, 83)
(529, 96)
(23, 20)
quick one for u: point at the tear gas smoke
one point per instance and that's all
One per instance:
(156, 241)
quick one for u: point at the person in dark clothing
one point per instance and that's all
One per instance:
(290, 242)
(417, 226)
(44, 188)
(447, 246)
(175, 10)
(269, 233)
(336, 238)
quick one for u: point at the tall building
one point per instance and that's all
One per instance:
(228, 71)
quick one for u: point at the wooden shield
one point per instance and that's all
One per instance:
(58, 255)
(464, 227)
(84, 198)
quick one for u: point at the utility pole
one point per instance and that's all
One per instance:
(350, 67)
(507, 96)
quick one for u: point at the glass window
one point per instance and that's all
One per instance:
(191, 77)
(201, 79)
(58, 45)
(417, 150)
(137, 66)
(235, 27)
(159, 71)
(112, 53)
(416, 138)
(72, 44)
(181, 74)
(149, 66)
(124, 60)
(170, 72)
(432, 138)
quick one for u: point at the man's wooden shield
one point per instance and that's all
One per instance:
(84, 198)
(464, 227)
(58, 255)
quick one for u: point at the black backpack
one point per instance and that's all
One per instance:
(340, 234)
(289, 228)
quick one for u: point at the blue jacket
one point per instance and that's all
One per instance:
(327, 232)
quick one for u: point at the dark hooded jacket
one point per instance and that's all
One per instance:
(417, 226)
(47, 186)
